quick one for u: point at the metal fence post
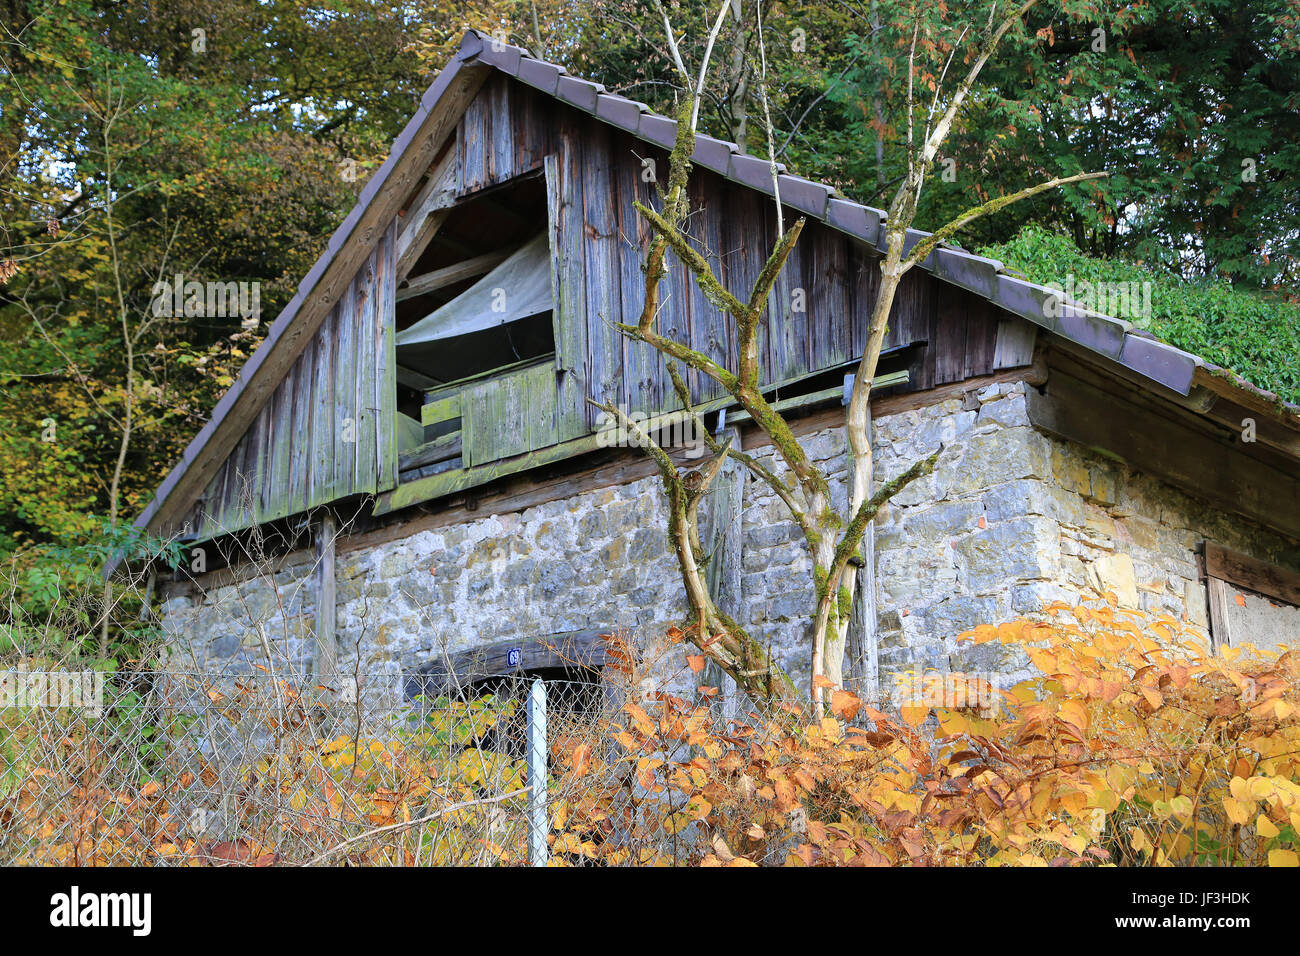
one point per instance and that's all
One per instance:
(538, 824)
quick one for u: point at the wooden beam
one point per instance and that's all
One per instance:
(430, 209)
(1252, 574)
(448, 673)
(416, 380)
(1173, 446)
(450, 275)
(1264, 403)
(442, 410)
(435, 486)
(326, 646)
(430, 453)
(1220, 629)
(408, 255)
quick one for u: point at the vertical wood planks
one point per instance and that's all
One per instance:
(602, 289)
(384, 361)
(486, 143)
(345, 411)
(509, 415)
(296, 454)
(825, 273)
(367, 405)
(470, 168)
(981, 336)
(952, 322)
(569, 317)
(323, 423)
(743, 244)
(645, 376)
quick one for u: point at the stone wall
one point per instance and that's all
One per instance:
(1010, 520)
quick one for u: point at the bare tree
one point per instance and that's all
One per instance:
(834, 539)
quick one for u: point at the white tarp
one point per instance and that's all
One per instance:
(516, 289)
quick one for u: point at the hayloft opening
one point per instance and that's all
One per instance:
(475, 305)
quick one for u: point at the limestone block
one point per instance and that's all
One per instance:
(1002, 554)
(1114, 572)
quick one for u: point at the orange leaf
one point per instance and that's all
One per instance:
(915, 715)
(845, 704)
(581, 759)
(696, 661)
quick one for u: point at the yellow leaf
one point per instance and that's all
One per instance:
(845, 704)
(1265, 828)
(1238, 812)
(1075, 713)
(952, 723)
(1283, 858)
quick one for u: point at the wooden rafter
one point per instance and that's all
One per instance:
(450, 275)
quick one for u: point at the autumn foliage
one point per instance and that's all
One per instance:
(1130, 745)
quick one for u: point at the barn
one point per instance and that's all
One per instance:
(409, 474)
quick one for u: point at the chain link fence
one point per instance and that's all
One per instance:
(185, 769)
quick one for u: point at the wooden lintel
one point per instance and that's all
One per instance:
(1252, 574)
(449, 673)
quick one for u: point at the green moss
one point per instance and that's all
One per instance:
(822, 577)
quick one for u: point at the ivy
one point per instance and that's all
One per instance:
(1255, 334)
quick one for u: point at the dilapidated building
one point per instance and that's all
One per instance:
(409, 469)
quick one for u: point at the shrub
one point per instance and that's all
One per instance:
(1131, 747)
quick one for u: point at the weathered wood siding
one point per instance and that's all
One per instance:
(297, 455)
(329, 430)
(509, 415)
(820, 308)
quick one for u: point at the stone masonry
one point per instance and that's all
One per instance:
(1010, 520)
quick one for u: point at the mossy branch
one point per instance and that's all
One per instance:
(714, 291)
(772, 268)
(762, 473)
(946, 232)
(683, 353)
(716, 634)
(857, 528)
